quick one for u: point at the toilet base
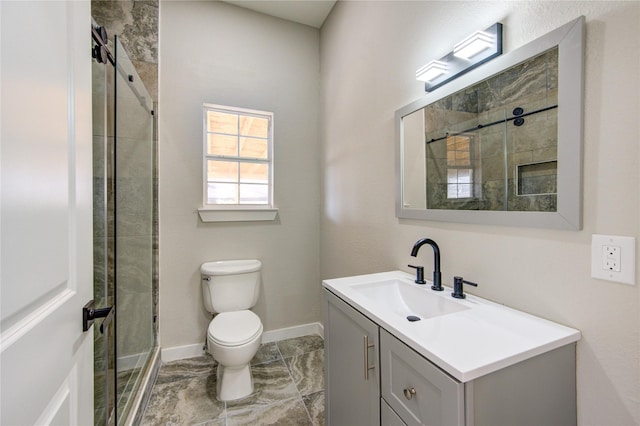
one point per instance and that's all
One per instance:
(233, 382)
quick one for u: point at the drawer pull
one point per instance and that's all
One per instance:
(367, 367)
(409, 392)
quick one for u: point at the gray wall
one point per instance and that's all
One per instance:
(369, 53)
(212, 52)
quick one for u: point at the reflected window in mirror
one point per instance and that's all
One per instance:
(459, 167)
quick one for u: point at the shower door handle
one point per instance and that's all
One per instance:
(89, 315)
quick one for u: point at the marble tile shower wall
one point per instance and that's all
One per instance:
(531, 85)
(135, 22)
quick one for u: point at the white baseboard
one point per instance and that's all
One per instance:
(182, 352)
(291, 332)
(190, 351)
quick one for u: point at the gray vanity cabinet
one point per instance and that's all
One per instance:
(417, 390)
(352, 379)
(373, 378)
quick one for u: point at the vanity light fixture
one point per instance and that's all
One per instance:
(432, 70)
(472, 45)
(473, 51)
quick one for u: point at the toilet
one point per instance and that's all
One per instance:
(230, 288)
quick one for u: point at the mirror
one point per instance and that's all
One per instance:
(501, 145)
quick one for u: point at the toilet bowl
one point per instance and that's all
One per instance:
(233, 338)
(234, 335)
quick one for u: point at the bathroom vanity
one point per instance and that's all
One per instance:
(463, 362)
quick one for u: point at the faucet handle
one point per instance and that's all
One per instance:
(457, 287)
(419, 274)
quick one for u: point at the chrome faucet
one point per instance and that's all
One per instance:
(437, 276)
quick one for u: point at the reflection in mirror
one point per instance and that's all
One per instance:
(493, 145)
(492, 151)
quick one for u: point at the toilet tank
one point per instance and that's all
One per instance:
(230, 285)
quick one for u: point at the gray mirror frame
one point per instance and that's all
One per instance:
(570, 41)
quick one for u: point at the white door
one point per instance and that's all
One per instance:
(46, 361)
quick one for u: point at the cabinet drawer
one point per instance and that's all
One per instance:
(416, 389)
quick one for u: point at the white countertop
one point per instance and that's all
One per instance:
(466, 344)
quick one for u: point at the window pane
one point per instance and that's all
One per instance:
(464, 175)
(222, 145)
(222, 193)
(462, 143)
(451, 158)
(254, 148)
(462, 158)
(464, 191)
(222, 122)
(254, 173)
(222, 171)
(254, 194)
(452, 176)
(452, 191)
(254, 126)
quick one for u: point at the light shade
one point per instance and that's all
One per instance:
(473, 51)
(431, 71)
(474, 44)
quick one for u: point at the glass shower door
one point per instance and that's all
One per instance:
(133, 206)
(123, 161)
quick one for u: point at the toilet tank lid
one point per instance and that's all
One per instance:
(228, 267)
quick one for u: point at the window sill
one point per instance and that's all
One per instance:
(240, 214)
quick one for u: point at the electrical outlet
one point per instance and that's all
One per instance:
(613, 258)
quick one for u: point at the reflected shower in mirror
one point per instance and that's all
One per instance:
(502, 145)
(491, 146)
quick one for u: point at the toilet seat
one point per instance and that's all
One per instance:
(234, 328)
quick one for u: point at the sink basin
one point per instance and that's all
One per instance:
(408, 299)
(466, 338)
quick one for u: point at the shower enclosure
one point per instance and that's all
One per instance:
(123, 163)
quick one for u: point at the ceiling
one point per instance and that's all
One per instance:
(307, 12)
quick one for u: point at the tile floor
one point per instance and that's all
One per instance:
(288, 380)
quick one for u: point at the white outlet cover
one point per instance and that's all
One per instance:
(627, 273)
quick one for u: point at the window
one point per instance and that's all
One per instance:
(459, 167)
(238, 157)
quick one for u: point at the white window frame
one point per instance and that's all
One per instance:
(238, 212)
